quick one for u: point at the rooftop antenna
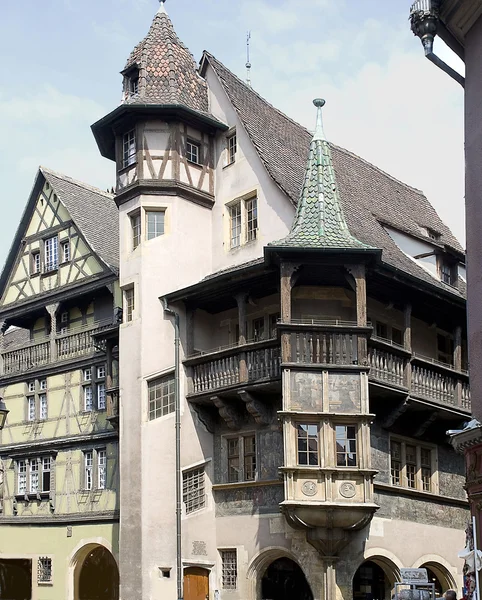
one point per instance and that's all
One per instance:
(248, 64)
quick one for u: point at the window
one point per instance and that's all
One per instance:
(389, 333)
(37, 403)
(101, 372)
(134, 84)
(161, 397)
(243, 221)
(193, 152)
(101, 396)
(382, 330)
(44, 570)
(345, 445)
(193, 494)
(411, 465)
(51, 250)
(88, 470)
(101, 469)
(88, 403)
(33, 475)
(155, 223)
(445, 348)
(273, 324)
(241, 452)
(129, 148)
(87, 375)
(235, 224)
(129, 303)
(397, 336)
(307, 435)
(95, 470)
(251, 219)
(258, 329)
(65, 251)
(136, 230)
(446, 273)
(229, 569)
(35, 263)
(231, 147)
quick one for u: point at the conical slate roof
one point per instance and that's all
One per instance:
(319, 220)
(167, 70)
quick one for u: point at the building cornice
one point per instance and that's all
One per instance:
(52, 444)
(165, 187)
(72, 518)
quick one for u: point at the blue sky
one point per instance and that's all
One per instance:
(385, 102)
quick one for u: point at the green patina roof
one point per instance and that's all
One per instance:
(319, 221)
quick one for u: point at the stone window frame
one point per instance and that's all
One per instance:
(194, 489)
(242, 455)
(229, 571)
(418, 476)
(45, 571)
(347, 452)
(307, 423)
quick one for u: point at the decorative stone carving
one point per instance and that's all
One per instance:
(262, 414)
(347, 489)
(309, 488)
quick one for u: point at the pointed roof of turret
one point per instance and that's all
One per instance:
(319, 220)
(167, 70)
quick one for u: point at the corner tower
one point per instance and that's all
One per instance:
(161, 139)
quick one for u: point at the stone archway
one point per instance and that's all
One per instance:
(440, 576)
(375, 578)
(95, 574)
(260, 565)
(285, 580)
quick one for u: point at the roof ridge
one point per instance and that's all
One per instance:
(280, 112)
(77, 182)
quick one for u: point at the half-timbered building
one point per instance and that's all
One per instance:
(59, 506)
(318, 308)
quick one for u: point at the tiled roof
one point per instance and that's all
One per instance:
(167, 70)
(93, 211)
(368, 195)
(319, 221)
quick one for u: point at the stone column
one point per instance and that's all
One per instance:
(52, 311)
(241, 300)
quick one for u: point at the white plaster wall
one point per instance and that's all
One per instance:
(414, 247)
(247, 174)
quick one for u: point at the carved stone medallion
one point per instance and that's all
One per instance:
(347, 489)
(309, 488)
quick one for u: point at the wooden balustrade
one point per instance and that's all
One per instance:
(433, 385)
(217, 373)
(70, 345)
(386, 366)
(264, 363)
(322, 347)
(26, 358)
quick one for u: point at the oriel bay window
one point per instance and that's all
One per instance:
(346, 446)
(241, 452)
(308, 444)
(412, 465)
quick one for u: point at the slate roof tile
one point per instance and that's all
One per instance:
(368, 194)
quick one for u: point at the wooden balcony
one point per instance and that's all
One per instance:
(74, 344)
(227, 367)
(112, 405)
(417, 376)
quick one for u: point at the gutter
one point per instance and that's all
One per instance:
(424, 21)
(177, 407)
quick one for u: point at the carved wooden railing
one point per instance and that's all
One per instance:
(421, 377)
(239, 364)
(27, 357)
(70, 345)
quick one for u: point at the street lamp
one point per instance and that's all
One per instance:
(3, 413)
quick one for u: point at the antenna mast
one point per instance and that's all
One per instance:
(248, 64)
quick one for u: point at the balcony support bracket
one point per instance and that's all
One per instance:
(228, 413)
(259, 411)
(395, 414)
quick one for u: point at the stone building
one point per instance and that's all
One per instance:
(59, 507)
(317, 308)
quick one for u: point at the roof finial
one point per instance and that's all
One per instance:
(248, 64)
(162, 8)
(319, 133)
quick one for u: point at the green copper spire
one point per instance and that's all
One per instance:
(319, 221)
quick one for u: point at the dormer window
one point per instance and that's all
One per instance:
(131, 81)
(447, 271)
(134, 84)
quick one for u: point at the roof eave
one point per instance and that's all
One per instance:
(365, 255)
(104, 129)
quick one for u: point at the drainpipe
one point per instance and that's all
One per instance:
(177, 406)
(424, 17)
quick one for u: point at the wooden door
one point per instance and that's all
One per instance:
(196, 584)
